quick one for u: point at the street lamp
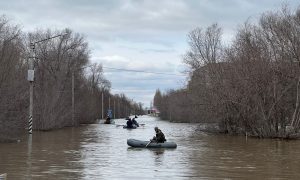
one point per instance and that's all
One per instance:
(30, 76)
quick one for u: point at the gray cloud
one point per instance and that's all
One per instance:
(135, 20)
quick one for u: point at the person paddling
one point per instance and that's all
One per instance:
(129, 123)
(107, 121)
(135, 122)
(159, 136)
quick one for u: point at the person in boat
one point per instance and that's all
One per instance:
(135, 122)
(107, 121)
(129, 123)
(159, 136)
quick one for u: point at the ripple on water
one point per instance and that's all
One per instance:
(100, 151)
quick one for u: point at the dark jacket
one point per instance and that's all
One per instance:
(160, 137)
(135, 122)
(129, 123)
(107, 121)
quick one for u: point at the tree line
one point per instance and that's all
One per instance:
(58, 61)
(250, 86)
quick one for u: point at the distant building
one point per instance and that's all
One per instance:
(153, 111)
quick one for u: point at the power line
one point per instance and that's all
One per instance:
(131, 70)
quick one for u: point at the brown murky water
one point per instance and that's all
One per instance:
(100, 151)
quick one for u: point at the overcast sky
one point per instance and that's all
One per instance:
(144, 35)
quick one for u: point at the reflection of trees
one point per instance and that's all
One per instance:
(219, 157)
(54, 155)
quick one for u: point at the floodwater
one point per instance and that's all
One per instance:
(100, 151)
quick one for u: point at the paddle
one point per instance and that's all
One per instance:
(118, 125)
(3, 176)
(148, 143)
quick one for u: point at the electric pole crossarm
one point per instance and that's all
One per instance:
(36, 42)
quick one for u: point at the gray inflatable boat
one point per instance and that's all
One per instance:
(143, 144)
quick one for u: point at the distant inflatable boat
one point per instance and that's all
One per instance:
(126, 127)
(110, 122)
(146, 144)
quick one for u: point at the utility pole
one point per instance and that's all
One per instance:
(30, 78)
(109, 102)
(102, 104)
(133, 107)
(114, 108)
(73, 99)
(109, 110)
(118, 108)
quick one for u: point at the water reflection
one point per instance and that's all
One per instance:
(236, 157)
(48, 157)
(158, 156)
(157, 153)
(29, 160)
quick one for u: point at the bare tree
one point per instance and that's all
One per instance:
(250, 87)
(12, 83)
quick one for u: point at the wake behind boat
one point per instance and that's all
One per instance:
(147, 144)
(132, 127)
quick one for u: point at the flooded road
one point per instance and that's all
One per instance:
(100, 151)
